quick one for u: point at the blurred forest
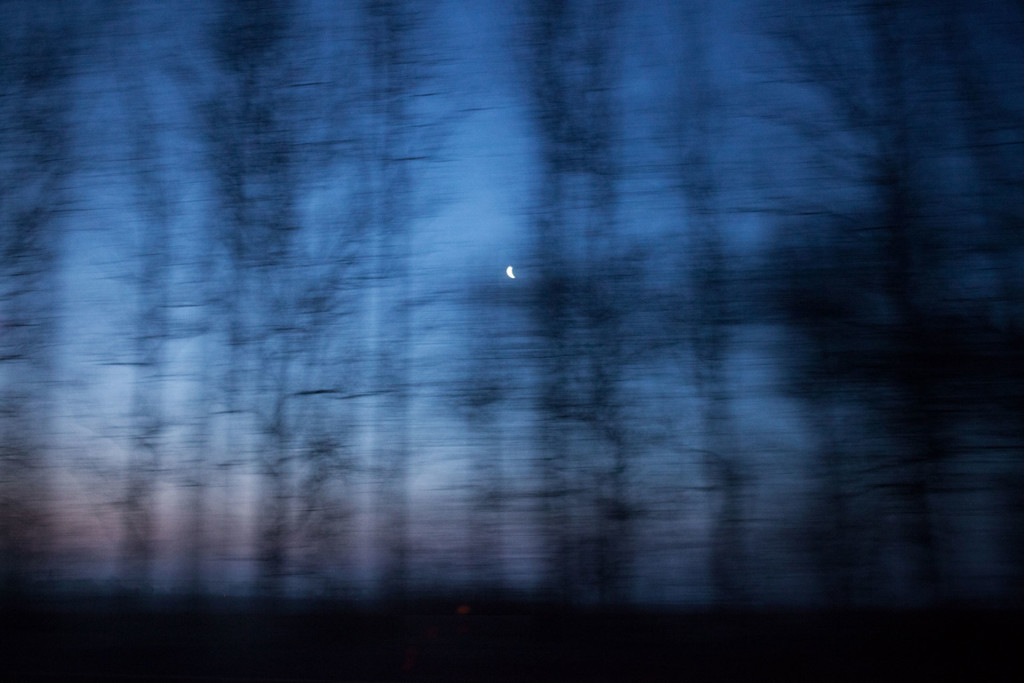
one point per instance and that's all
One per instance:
(764, 344)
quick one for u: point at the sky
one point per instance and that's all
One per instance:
(480, 416)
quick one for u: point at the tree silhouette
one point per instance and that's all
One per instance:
(251, 136)
(708, 317)
(876, 270)
(36, 79)
(584, 449)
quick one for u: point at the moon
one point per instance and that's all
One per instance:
(508, 271)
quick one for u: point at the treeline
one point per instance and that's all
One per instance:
(763, 344)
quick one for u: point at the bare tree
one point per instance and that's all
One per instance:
(252, 153)
(883, 311)
(700, 177)
(151, 317)
(580, 322)
(283, 116)
(395, 144)
(989, 114)
(36, 80)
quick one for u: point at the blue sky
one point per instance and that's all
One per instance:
(474, 211)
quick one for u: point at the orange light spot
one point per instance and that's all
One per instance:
(462, 609)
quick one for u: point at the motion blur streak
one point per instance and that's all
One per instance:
(259, 337)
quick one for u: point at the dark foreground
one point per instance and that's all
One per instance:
(121, 641)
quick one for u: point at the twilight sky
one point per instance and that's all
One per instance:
(281, 350)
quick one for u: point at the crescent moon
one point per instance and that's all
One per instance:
(508, 271)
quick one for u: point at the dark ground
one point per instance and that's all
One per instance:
(124, 641)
